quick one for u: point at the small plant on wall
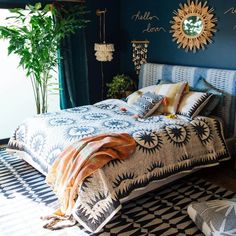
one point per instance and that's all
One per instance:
(120, 86)
(35, 34)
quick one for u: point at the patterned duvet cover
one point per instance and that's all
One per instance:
(164, 147)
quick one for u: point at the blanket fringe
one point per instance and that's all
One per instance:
(58, 222)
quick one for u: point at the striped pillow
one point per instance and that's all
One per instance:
(192, 103)
(173, 93)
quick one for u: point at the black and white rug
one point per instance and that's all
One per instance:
(24, 197)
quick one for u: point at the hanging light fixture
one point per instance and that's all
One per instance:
(103, 50)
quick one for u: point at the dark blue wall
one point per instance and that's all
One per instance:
(220, 54)
(121, 29)
(112, 36)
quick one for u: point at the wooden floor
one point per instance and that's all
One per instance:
(223, 175)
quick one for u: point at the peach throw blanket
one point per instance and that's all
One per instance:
(80, 160)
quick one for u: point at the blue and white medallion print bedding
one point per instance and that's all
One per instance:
(164, 147)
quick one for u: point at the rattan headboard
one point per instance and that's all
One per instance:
(225, 80)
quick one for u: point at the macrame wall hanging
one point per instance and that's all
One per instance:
(104, 51)
(140, 50)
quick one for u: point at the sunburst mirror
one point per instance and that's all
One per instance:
(193, 25)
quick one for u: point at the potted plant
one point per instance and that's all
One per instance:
(120, 86)
(35, 34)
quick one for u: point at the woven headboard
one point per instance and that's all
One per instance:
(225, 80)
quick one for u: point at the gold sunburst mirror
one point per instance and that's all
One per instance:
(193, 25)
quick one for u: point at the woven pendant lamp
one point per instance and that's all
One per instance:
(103, 51)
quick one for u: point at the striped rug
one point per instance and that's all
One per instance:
(24, 197)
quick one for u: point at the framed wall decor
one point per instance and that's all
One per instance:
(193, 25)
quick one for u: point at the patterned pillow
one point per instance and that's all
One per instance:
(211, 106)
(172, 93)
(192, 103)
(218, 98)
(203, 86)
(147, 104)
(132, 98)
(215, 217)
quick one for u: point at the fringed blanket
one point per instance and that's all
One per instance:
(83, 158)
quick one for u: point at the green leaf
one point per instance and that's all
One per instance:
(36, 41)
(37, 6)
(14, 10)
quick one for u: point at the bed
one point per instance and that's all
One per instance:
(162, 154)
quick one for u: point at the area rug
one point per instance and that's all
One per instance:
(24, 197)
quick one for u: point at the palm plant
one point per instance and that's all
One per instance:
(35, 34)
